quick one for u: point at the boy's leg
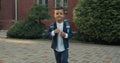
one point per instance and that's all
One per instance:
(65, 56)
(57, 56)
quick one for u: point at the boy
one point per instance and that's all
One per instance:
(60, 31)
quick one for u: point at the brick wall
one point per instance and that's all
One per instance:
(7, 9)
(71, 5)
(24, 7)
(6, 13)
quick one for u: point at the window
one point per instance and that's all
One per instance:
(40, 2)
(61, 3)
(65, 4)
(44, 2)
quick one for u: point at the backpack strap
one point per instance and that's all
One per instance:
(52, 26)
(67, 25)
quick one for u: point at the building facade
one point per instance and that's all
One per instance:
(16, 10)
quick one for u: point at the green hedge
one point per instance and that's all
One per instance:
(31, 27)
(38, 12)
(98, 20)
(26, 30)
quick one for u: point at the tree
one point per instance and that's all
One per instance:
(98, 19)
(30, 28)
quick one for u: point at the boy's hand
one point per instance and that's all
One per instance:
(63, 34)
(56, 31)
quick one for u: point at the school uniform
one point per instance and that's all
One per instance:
(60, 44)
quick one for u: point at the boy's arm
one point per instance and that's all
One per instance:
(50, 32)
(67, 34)
(53, 33)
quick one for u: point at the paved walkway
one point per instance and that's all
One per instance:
(39, 51)
(3, 33)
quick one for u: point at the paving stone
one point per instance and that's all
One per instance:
(38, 51)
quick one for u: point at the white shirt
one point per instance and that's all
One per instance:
(60, 44)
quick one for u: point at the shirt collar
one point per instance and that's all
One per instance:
(60, 23)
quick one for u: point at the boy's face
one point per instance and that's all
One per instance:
(59, 15)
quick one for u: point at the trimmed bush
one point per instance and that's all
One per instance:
(38, 12)
(27, 30)
(31, 27)
(98, 20)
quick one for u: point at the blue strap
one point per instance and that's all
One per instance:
(67, 25)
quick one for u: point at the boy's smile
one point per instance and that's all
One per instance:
(59, 15)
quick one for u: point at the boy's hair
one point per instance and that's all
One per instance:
(60, 8)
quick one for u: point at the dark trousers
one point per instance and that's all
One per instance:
(61, 57)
